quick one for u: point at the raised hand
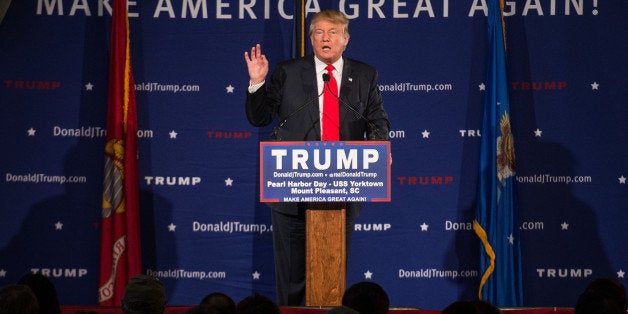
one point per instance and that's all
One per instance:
(257, 64)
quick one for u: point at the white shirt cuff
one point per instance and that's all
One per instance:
(254, 88)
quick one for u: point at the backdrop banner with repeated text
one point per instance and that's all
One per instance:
(203, 228)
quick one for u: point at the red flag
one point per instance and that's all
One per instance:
(120, 253)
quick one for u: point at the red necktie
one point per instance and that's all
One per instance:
(331, 119)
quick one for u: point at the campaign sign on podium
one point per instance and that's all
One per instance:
(352, 171)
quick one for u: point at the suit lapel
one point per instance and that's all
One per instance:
(345, 88)
(310, 90)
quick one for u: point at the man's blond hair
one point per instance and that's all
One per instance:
(331, 16)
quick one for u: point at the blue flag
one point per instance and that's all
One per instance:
(496, 218)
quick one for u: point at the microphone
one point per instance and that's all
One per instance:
(378, 135)
(303, 106)
(326, 78)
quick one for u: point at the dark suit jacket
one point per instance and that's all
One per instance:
(291, 94)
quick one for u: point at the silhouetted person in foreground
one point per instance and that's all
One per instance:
(257, 304)
(16, 299)
(144, 295)
(602, 296)
(342, 310)
(203, 309)
(471, 307)
(220, 301)
(45, 292)
(367, 298)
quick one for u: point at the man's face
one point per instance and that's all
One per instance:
(328, 41)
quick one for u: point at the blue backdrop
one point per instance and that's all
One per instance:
(203, 227)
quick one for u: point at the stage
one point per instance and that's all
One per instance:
(73, 309)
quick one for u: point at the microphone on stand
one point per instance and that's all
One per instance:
(378, 136)
(283, 121)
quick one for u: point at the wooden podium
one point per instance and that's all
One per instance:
(325, 175)
(326, 257)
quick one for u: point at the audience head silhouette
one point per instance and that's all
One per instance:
(342, 310)
(367, 298)
(257, 304)
(18, 299)
(220, 301)
(471, 307)
(602, 296)
(45, 292)
(203, 309)
(144, 295)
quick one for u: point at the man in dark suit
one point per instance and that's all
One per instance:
(293, 93)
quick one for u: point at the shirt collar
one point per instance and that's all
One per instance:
(320, 65)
